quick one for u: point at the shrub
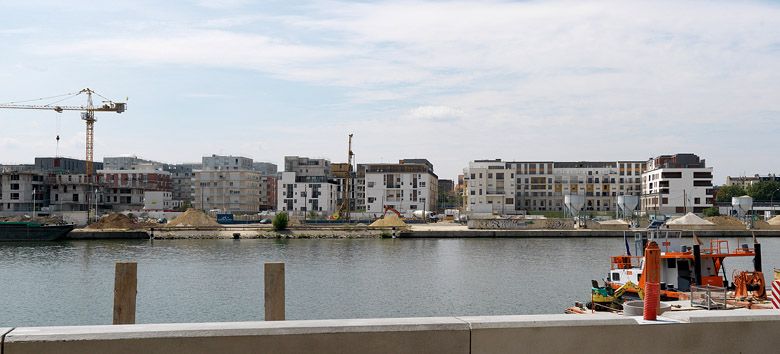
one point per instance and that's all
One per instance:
(712, 211)
(280, 221)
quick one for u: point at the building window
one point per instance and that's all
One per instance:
(15, 186)
(14, 196)
(75, 197)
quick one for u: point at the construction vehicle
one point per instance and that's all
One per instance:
(604, 298)
(391, 208)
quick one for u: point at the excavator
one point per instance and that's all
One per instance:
(606, 299)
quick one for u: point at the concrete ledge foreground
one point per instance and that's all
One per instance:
(690, 332)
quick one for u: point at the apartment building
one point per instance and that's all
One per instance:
(75, 192)
(129, 163)
(228, 184)
(181, 180)
(496, 186)
(747, 181)
(64, 165)
(265, 168)
(268, 190)
(407, 186)
(304, 194)
(304, 166)
(676, 184)
(160, 200)
(22, 189)
(124, 189)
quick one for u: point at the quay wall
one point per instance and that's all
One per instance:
(576, 233)
(753, 331)
(341, 232)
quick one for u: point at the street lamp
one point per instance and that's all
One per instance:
(771, 199)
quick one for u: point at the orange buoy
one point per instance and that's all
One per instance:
(652, 275)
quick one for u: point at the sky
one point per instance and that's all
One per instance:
(446, 81)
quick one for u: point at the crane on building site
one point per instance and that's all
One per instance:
(87, 114)
(344, 208)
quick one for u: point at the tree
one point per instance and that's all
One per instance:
(711, 211)
(726, 192)
(764, 191)
(280, 221)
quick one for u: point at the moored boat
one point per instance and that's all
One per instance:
(32, 231)
(682, 266)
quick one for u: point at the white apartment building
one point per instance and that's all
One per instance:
(304, 194)
(490, 187)
(406, 186)
(495, 186)
(676, 184)
(157, 200)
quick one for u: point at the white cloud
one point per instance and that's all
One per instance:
(577, 77)
(436, 113)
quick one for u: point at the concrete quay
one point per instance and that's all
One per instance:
(734, 331)
(414, 231)
(587, 233)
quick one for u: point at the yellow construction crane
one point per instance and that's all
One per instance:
(87, 114)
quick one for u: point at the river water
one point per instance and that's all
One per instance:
(71, 283)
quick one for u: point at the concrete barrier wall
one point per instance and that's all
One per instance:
(690, 332)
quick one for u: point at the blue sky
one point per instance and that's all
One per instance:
(449, 81)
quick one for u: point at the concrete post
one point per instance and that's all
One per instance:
(125, 290)
(274, 291)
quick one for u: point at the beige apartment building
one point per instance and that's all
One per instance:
(495, 186)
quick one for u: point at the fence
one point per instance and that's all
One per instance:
(708, 297)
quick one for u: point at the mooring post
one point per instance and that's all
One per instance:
(125, 289)
(274, 291)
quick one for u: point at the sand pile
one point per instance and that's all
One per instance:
(390, 220)
(725, 221)
(47, 220)
(115, 221)
(613, 222)
(193, 217)
(690, 219)
(775, 221)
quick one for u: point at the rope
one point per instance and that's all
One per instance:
(44, 98)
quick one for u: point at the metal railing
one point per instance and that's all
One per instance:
(708, 297)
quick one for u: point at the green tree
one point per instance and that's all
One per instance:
(726, 192)
(280, 221)
(711, 211)
(764, 191)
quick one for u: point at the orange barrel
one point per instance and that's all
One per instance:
(652, 276)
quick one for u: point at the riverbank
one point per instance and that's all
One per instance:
(230, 232)
(434, 230)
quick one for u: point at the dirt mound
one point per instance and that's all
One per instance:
(194, 217)
(390, 220)
(775, 221)
(116, 221)
(725, 221)
(48, 220)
